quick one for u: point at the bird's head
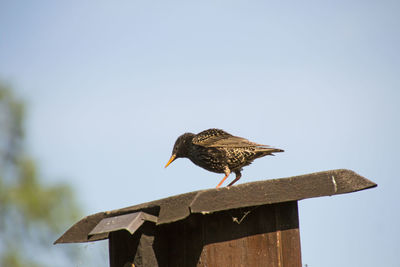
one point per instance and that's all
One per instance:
(181, 147)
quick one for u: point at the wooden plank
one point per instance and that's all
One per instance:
(311, 185)
(126, 250)
(269, 237)
(288, 236)
(179, 244)
(122, 248)
(251, 234)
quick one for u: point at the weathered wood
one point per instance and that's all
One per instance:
(128, 250)
(260, 236)
(179, 207)
(122, 247)
(253, 224)
(254, 236)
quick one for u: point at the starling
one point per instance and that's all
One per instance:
(218, 151)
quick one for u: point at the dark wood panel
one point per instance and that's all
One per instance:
(255, 236)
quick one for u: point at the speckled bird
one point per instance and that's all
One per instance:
(218, 151)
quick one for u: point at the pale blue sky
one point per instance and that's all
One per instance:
(110, 85)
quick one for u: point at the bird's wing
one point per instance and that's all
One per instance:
(235, 141)
(220, 138)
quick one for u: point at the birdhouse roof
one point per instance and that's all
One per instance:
(179, 207)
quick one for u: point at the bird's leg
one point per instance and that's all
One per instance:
(238, 175)
(227, 171)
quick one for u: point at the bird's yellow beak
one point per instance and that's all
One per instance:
(173, 157)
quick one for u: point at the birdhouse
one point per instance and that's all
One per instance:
(251, 224)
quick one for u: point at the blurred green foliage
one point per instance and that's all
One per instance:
(32, 214)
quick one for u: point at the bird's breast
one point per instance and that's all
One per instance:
(211, 159)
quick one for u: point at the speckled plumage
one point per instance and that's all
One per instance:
(218, 151)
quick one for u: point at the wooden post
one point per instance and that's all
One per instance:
(265, 235)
